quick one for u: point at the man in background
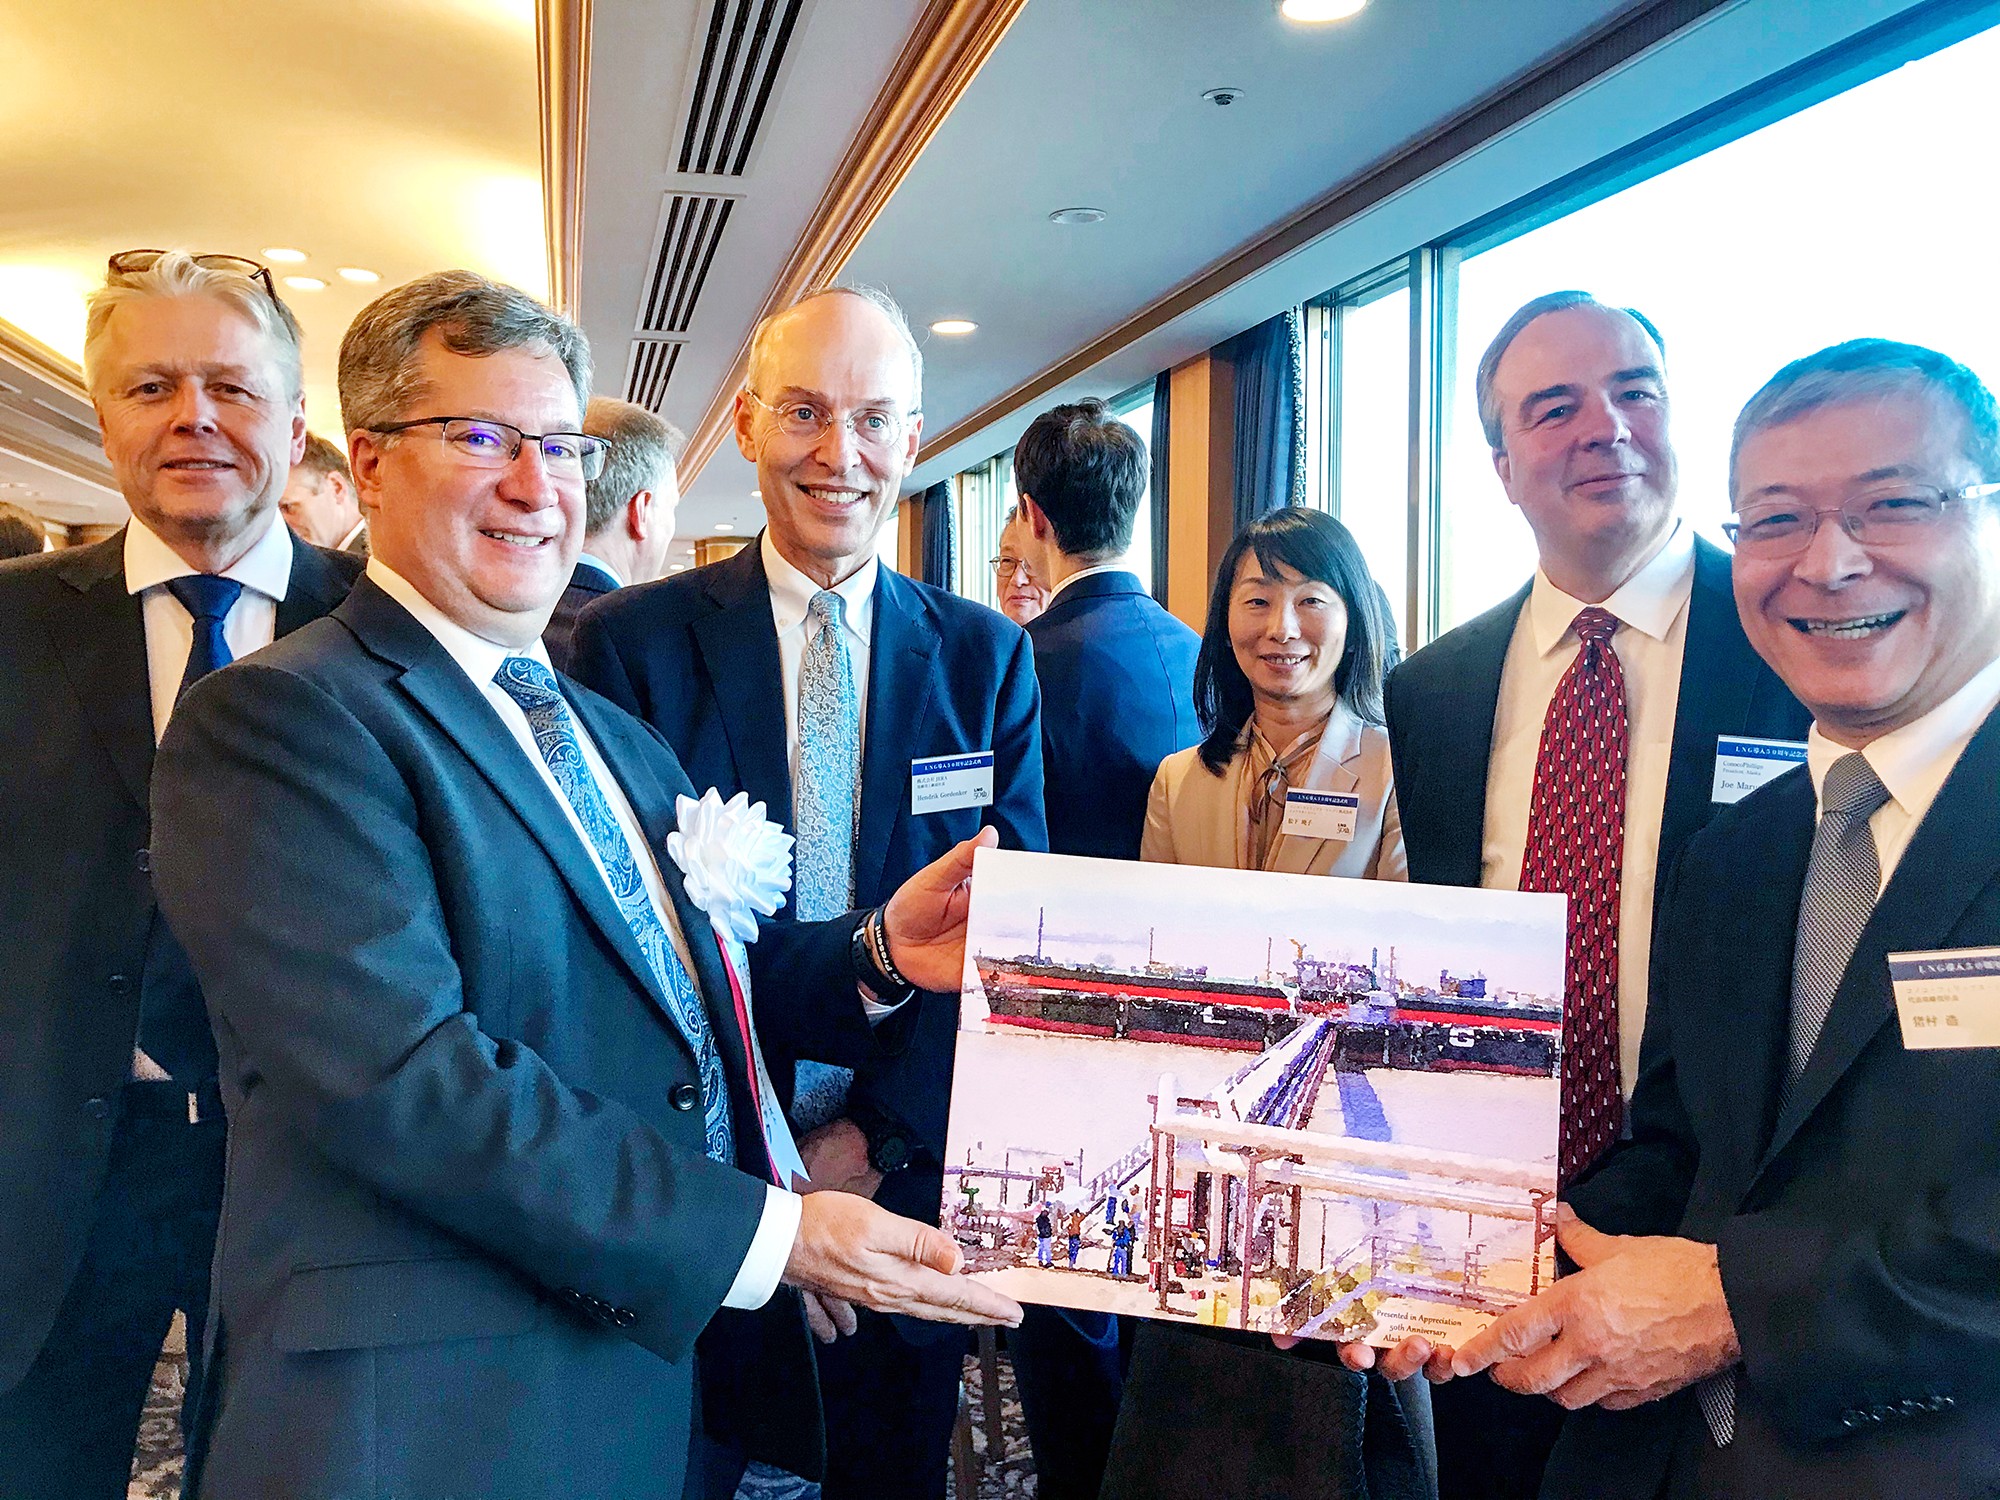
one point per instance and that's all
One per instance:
(319, 502)
(21, 535)
(629, 511)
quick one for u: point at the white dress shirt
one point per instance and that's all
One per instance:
(791, 596)
(1913, 762)
(1652, 610)
(1110, 567)
(480, 659)
(265, 572)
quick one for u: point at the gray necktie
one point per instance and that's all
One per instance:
(1843, 882)
(827, 801)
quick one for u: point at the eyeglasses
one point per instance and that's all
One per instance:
(133, 262)
(494, 445)
(1883, 515)
(807, 421)
(1005, 568)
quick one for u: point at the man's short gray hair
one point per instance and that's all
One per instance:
(175, 274)
(876, 298)
(643, 448)
(1490, 415)
(379, 377)
(1867, 370)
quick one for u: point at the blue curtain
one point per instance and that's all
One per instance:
(1157, 499)
(1268, 446)
(940, 552)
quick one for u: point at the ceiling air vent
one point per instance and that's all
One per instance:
(650, 368)
(740, 58)
(691, 226)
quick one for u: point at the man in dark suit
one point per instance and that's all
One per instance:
(111, 1132)
(1790, 1274)
(319, 503)
(498, 1154)
(1117, 679)
(880, 719)
(1574, 398)
(630, 509)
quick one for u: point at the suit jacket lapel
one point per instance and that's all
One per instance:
(102, 645)
(1718, 673)
(899, 696)
(1941, 870)
(1333, 769)
(1457, 789)
(739, 646)
(316, 587)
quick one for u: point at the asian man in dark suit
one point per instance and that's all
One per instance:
(1117, 678)
(1574, 398)
(111, 1130)
(804, 673)
(1790, 1274)
(497, 1154)
(630, 510)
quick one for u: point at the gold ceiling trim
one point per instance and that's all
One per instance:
(39, 360)
(562, 55)
(945, 51)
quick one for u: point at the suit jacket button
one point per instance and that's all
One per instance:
(623, 1317)
(684, 1096)
(1850, 1420)
(119, 984)
(144, 860)
(97, 1109)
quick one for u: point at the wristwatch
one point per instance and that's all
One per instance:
(888, 1138)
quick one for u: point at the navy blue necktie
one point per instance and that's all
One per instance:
(209, 598)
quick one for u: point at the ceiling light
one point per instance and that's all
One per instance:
(1077, 216)
(1223, 97)
(360, 275)
(678, 568)
(725, 526)
(305, 283)
(283, 256)
(1319, 10)
(954, 325)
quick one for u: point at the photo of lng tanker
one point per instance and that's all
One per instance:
(1381, 1021)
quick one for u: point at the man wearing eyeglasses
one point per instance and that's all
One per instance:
(111, 1129)
(881, 721)
(1790, 1274)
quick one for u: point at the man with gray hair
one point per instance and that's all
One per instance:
(500, 1147)
(319, 504)
(1628, 632)
(111, 1129)
(629, 514)
(1789, 1279)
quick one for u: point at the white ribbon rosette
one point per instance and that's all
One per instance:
(736, 865)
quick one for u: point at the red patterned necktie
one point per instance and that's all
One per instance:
(1576, 845)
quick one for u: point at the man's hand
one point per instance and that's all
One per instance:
(851, 1250)
(836, 1158)
(828, 1317)
(925, 920)
(1644, 1317)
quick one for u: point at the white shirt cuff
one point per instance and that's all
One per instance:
(770, 1249)
(875, 1011)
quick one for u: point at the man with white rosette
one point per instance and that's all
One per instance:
(476, 961)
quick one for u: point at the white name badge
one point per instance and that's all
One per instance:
(1742, 765)
(945, 782)
(1320, 815)
(1949, 998)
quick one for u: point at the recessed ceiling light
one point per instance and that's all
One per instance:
(1077, 216)
(1319, 10)
(283, 256)
(678, 568)
(360, 275)
(1223, 97)
(305, 283)
(954, 325)
(725, 526)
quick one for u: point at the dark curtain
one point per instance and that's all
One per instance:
(1157, 499)
(1266, 363)
(940, 553)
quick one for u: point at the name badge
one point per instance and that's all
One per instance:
(944, 782)
(1949, 998)
(1320, 815)
(1742, 765)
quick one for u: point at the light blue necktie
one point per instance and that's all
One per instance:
(827, 808)
(533, 686)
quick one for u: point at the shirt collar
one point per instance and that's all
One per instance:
(792, 592)
(1110, 567)
(476, 656)
(603, 567)
(1649, 601)
(266, 567)
(354, 531)
(1914, 761)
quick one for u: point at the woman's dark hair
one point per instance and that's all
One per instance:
(1314, 545)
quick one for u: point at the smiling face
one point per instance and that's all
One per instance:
(828, 498)
(1870, 639)
(198, 420)
(1022, 597)
(1288, 633)
(1583, 418)
(491, 548)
